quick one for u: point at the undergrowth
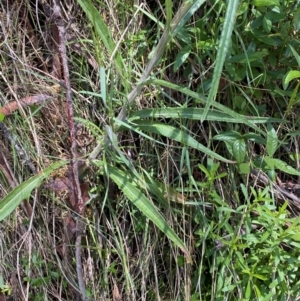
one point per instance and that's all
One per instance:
(187, 132)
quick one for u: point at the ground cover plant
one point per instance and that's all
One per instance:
(149, 150)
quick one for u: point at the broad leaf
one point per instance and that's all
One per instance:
(279, 164)
(295, 53)
(272, 140)
(296, 19)
(228, 136)
(181, 57)
(136, 196)
(239, 150)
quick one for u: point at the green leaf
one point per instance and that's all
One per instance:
(248, 290)
(261, 277)
(103, 85)
(228, 136)
(279, 164)
(186, 10)
(239, 150)
(296, 19)
(195, 113)
(181, 57)
(254, 137)
(291, 75)
(202, 99)
(272, 140)
(2, 116)
(257, 291)
(103, 31)
(274, 283)
(232, 6)
(265, 2)
(136, 196)
(23, 191)
(267, 24)
(272, 174)
(244, 168)
(247, 57)
(178, 135)
(296, 55)
(169, 4)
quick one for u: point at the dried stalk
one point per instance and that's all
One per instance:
(58, 19)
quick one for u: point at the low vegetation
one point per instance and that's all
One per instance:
(149, 150)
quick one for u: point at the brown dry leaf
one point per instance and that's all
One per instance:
(59, 185)
(70, 226)
(84, 192)
(174, 196)
(116, 293)
(56, 66)
(27, 101)
(65, 185)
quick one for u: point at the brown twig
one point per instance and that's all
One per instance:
(58, 19)
(27, 101)
(4, 165)
(259, 175)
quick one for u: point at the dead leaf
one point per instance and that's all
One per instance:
(9, 108)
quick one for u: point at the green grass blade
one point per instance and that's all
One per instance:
(103, 31)
(23, 191)
(195, 114)
(222, 52)
(136, 196)
(168, 13)
(202, 99)
(183, 14)
(178, 135)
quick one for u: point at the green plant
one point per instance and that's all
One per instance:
(39, 274)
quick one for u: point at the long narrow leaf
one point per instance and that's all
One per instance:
(202, 99)
(222, 52)
(196, 113)
(103, 31)
(169, 6)
(23, 191)
(136, 196)
(186, 10)
(176, 134)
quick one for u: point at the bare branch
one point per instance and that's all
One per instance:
(58, 19)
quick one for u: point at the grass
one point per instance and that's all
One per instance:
(187, 124)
